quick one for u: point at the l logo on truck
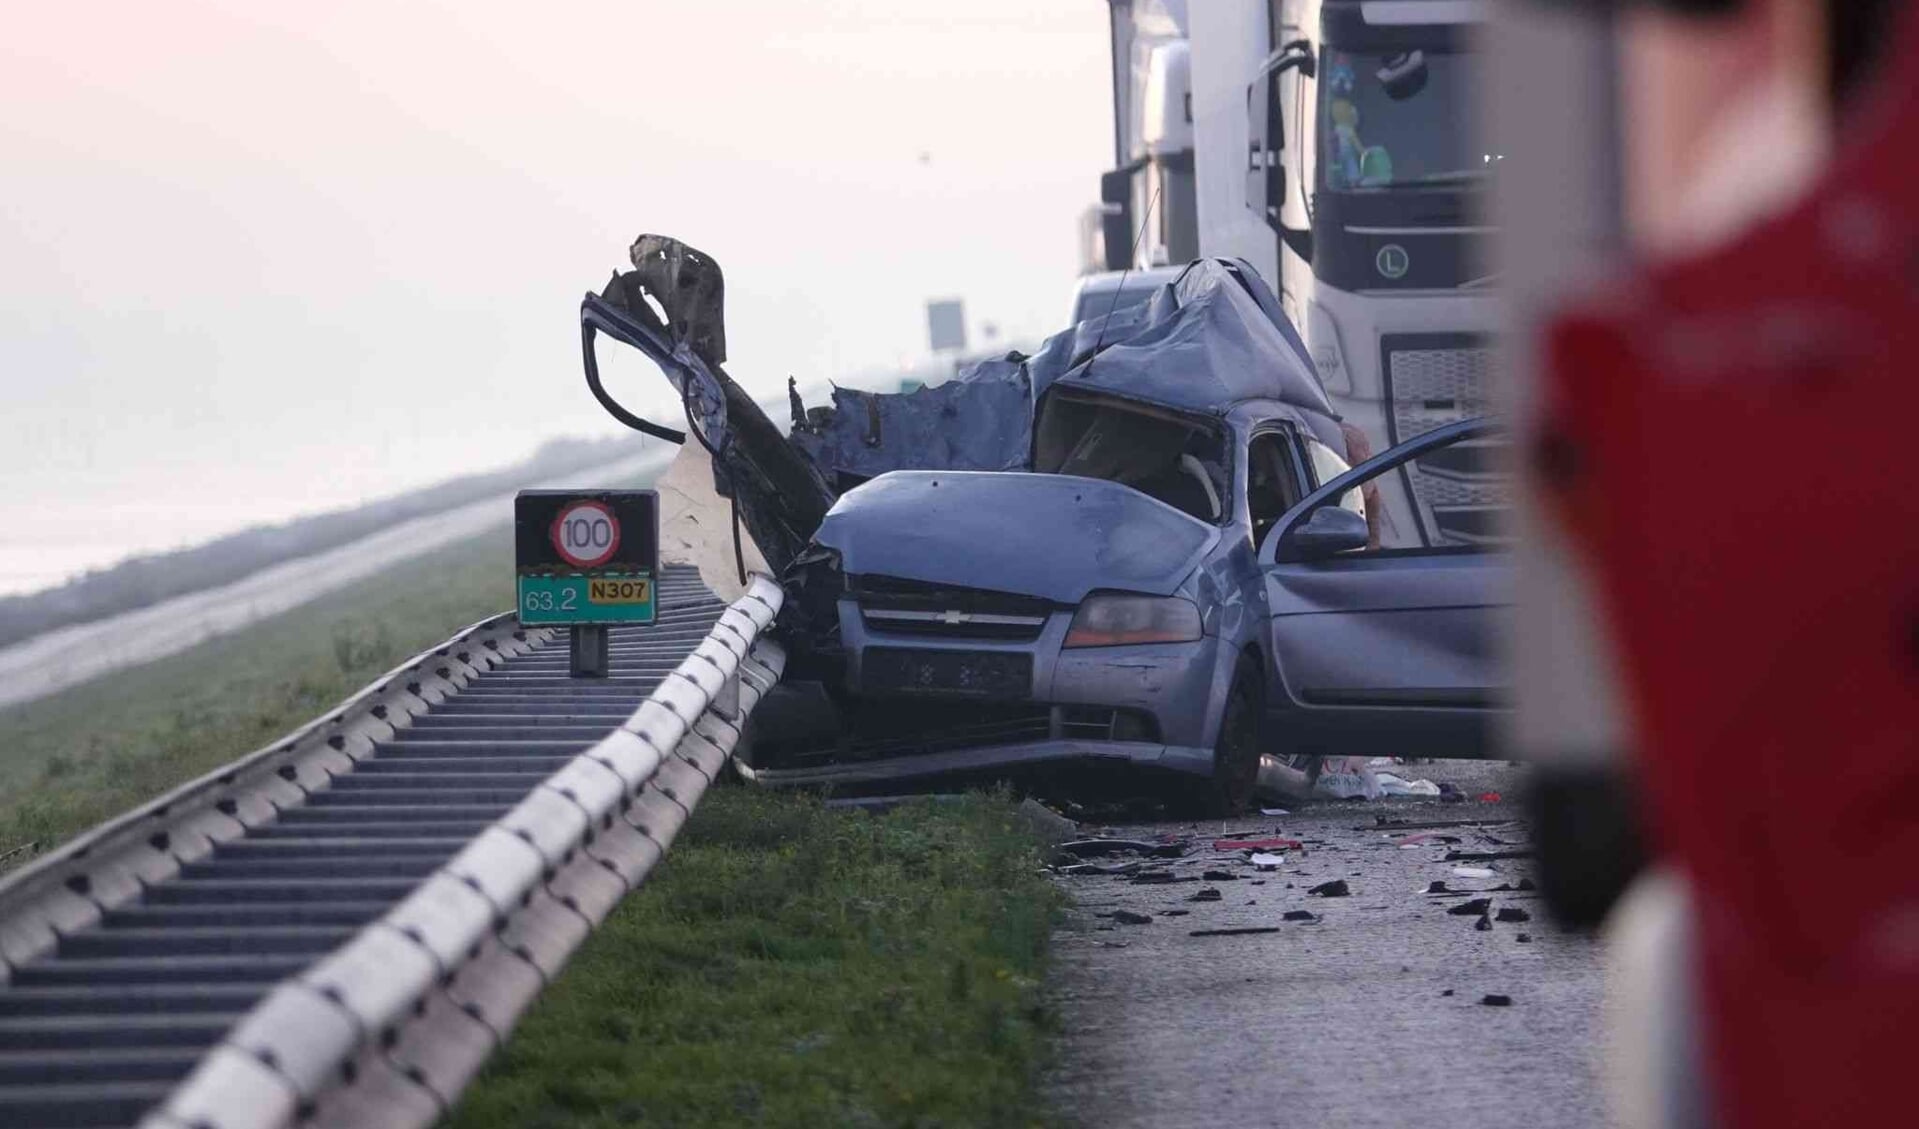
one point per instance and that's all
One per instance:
(1393, 261)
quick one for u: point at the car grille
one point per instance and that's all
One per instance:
(1432, 380)
(910, 607)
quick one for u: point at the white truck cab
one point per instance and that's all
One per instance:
(1336, 149)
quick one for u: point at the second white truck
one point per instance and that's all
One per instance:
(1334, 146)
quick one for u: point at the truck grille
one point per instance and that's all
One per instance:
(1433, 379)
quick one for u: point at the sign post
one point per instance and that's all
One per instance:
(587, 559)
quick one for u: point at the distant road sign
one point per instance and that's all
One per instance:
(946, 324)
(586, 557)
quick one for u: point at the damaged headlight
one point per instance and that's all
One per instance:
(1112, 619)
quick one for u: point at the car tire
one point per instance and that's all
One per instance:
(1236, 752)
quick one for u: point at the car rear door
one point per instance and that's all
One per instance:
(1386, 646)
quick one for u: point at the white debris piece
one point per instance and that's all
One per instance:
(696, 525)
(1392, 785)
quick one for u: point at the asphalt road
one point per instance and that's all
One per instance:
(1370, 1015)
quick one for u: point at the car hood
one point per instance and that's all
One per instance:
(1047, 535)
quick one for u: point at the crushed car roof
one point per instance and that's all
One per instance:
(1211, 338)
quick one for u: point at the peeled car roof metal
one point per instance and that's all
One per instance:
(1211, 338)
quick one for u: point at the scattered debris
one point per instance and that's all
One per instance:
(1267, 862)
(1380, 821)
(1102, 848)
(1301, 915)
(1484, 924)
(1475, 872)
(1449, 793)
(1271, 844)
(1078, 868)
(1524, 938)
(1512, 913)
(1478, 907)
(1447, 992)
(1493, 999)
(1154, 878)
(1128, 917)
(1337, 888)
(1219, 876)
(1242, 931)
(1489, 797)
(1488, 856)
(1209, 894)
(1359, 784)
(1049, 824)
(1274, 811)
(1174, 912)
(1437, 887)
(1394, 785)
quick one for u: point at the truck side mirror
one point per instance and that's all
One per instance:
(1266, 130)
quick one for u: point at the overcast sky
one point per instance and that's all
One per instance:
(261, 259)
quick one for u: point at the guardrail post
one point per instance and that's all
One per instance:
(590, 656)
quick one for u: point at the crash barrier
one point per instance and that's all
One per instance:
(346, 918)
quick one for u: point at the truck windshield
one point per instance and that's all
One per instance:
(1398, 120)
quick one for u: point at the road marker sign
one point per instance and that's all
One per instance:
(587, 558)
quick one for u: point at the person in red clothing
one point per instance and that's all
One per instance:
(1776, 627)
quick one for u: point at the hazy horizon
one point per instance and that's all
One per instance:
(259, 264)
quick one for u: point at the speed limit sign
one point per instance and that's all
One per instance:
(586, 534)
(586, 557)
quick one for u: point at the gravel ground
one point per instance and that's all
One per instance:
(1370, 1015)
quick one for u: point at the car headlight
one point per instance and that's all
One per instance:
(1113, 619)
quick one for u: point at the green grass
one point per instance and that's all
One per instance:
(73, 759)
(792, 965)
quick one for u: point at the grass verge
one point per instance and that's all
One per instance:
(794, 965)
(84, 755)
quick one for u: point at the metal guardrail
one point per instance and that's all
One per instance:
(340, 928)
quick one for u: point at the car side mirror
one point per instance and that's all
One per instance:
(1329, 530)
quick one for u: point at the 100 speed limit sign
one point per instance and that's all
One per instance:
(586, 534)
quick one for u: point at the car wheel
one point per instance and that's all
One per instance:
(1236, 753)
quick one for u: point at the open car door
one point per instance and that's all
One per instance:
(1383, 649)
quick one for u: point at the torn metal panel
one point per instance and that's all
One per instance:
(780, 494)
(980, 420)
(1212, 338)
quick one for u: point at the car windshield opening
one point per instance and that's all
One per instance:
(1400, 119)
(1178, 460)
(1112, 299)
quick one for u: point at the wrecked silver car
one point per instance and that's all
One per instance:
(1139, 548)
